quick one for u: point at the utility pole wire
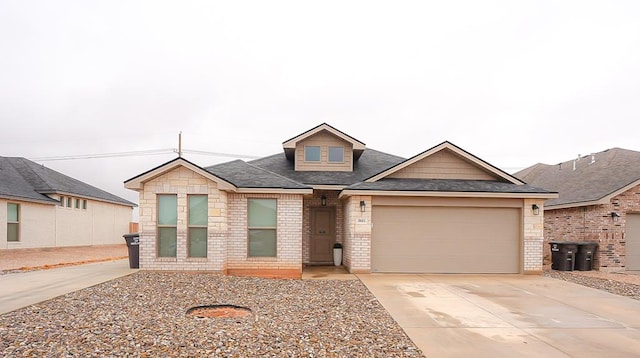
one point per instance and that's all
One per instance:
(137, 153)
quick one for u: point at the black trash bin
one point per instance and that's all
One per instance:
(133, 244)
(584, 256)
(563, 255)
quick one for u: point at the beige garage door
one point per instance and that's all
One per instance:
(632, 238)
(445, 239)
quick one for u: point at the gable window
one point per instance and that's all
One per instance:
(167, 225)
(336, 155)
(312, 154)
(13, 222)
(198, 218)
(262, 228)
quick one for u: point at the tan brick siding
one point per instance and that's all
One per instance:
(289, 234)
(533, 238)
(182, 182)
(357, 234)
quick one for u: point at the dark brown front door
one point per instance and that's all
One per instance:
(322, 234)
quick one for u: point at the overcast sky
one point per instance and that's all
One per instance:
(513, 82)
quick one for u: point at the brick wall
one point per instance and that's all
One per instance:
(289, 236)
(357, 235)
(594, 223)
(533, 236)
(182, 181)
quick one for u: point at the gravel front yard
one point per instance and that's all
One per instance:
(144, 314)
(617, 283)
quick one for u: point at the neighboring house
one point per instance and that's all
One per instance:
(599, 202)
(40, 207)
(441, 211)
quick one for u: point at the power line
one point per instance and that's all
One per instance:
(137, 153)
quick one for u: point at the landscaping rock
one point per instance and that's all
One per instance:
(144, 315)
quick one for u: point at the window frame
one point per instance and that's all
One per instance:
(329, 155)
(84, 204)
(262, 228)
(77, 202)
(16, 223)
(62, 201)
(69, 201)
(204, 226)
(306, 159)
(166, 226)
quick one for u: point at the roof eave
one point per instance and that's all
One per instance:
(31, 200)
(274, 191)
(456, 194)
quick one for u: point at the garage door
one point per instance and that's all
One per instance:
(632, 238)
(445, 239)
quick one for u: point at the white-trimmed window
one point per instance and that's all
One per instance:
(77, 203)
(84, 204)
(62, 201)
(167, 239)
(198, 218)
(311, 153)
(68, 201)
(336, 154)
(262, 228)
(13, 222)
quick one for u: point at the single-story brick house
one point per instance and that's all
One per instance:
(40, 207)
(599, 201)
(441, 211)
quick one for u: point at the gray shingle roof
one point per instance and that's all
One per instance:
(447, 185)
(370, 162)
(245, 175)
(612, 170)
(22, 178)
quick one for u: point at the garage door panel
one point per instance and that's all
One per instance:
(632, 236)
(445, 239)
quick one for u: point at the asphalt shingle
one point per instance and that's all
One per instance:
(22, 178)
(595, 176)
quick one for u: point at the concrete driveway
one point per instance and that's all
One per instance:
(508, 315)
(23, 289)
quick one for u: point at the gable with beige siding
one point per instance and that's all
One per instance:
(443, 165)
(324, 140)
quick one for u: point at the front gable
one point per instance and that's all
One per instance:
(446, 161)
(137, 183)
(323, 148)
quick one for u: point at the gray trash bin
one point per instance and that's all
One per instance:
(563, 255)
(133, 244)
(584, 256)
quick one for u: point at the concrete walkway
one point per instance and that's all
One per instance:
(22, 289)
(508, 316)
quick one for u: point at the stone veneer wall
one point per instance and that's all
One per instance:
(594, 223)
(357, 235)
(288, 262)
(182, 182)
(315, 201)
(533, 237)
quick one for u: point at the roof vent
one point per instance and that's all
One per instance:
(593, 158)
(574, 164)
